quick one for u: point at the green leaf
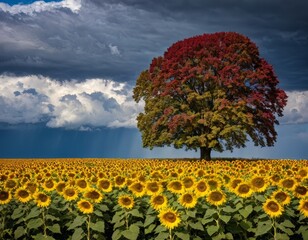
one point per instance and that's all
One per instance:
(207, 220)
(55, 228)
(136, 213)
(103, 207)
(98, 226)
(20, 231)
(287, 223)
(183, 236)
(209, 212)
(149, 229)
(132, 233)
(225, 218)
(212, 229)
(246, 211)
(98, 213)
(228, 209)
(148, 220)
(40, 236)
(52, 218)
(245, 225)
(35, 212)
(35, 223)
(78, 221)
(260, 198)
(263, 227)
(160, 228)
(284, 229)
(17, 213)
(78, 234)
(282, 236)
(116, 234)
(196, 225)
(162, 236)
(118, 216)
(119, 224)
(191, 213)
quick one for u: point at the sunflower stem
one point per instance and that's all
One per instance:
(126, 219)
(275, 229)
(170, 234)
(88, 227)
(44, 222)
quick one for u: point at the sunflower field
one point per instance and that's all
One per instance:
(153, 199)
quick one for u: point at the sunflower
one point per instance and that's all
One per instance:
(10, 184)
(85, 206)
(188, 200)
(5, 197)
(287, 183)
(49, 185)
(60, 187)
(23, 195)
(119, 181)
(42, 200)
(243, 190)
(31, 187)
(272, 208)
(275, 179)
(303, 206)
(138, 189)
(169, 218)
(82, 185)
(282, 197)
(175, 186)
(201, 188)
(300, 191)
(93, 195)
(233, 183)
(214, 183)
(70, 193)
(188, 182)
(216, 197)
(259, 183)
(159, 201)
(153, 187)
(104, 184)
(126, 201)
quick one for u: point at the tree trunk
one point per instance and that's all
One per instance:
(205, 153)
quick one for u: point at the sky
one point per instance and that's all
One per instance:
(68, 68)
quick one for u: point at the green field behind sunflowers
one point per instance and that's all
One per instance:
(153, 199)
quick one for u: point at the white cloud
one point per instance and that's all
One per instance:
(296, 110)
(41, 6)
(70, 104)
(114, 50)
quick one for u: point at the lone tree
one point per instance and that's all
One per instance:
(211, 92)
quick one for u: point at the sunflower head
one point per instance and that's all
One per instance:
(188, 200)
(159, 201)
(259, 184)
(93, 195)
(288, 183)
(138, 189)
(49, 185)
(104, 184)
(153, 187)
(272, 208)
(82, 185)
(10, 184)
(31, 187)
(300, 191)
(188, 182)
(70, 193)
(243, 190)
(60, 187)
(201, 188)
(42, 200)
(169, 218)
(175, 186)
(85, 206)
(119, 181)
(23, 195)
(216, 197)
(126, 201)
(281, 197)
(303, 206)
(5, 197)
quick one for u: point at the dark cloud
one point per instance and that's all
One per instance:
(117, 39)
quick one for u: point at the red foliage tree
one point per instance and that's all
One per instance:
(210, 92)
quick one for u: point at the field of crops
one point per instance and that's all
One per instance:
(153, 199)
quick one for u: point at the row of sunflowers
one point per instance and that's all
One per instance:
(153, 199)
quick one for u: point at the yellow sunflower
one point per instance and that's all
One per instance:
(85, 206)
(216, 197)
(188, 182)
(23, 195)
(119, 181)
(243, 190)
(201, 188)
(188, 200)
(138, 189)
(159, 201)
(49, 185)
(104, 184)
(214, 183)
(82, 184)
(10, 184)
(259, 183)
(303, 206)
(272, 208)
(153, 187)
(287, 183)
(233, 183)
(93, 195)
(300, 191)
(5, 197)
(169, 218)
(32, 187)
(281, 197)
(60, 187)
(41, 199)
(70, 193)
(126, 201)
(175, 186)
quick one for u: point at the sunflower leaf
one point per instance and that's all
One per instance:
(287, 223)
(35, 223)
(17, 213)
(212, 229)
(78, 221)
(98, 226)
(183, 236)
(20, 231)
(33, 213)
(78, 234)
(54, 228)
(132, 233)
(263, 227)
(148, 220)
(225, 218)
(149, 229)
(196, 225)
(162, 236)
(136, 213)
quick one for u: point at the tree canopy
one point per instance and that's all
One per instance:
(212, 92)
